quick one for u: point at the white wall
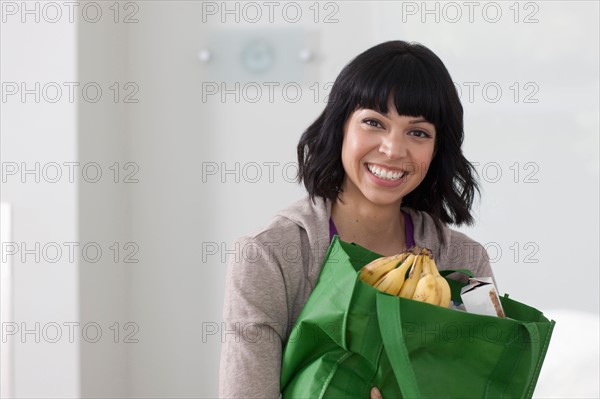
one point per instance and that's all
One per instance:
(176, 215)
(104, 207)
(42, 212)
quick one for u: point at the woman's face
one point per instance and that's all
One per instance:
(385, 156)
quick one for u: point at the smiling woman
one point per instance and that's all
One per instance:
(385, 157)
(384, 168)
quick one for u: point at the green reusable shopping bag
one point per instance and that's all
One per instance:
(350, 337)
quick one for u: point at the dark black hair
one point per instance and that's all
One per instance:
(420, 85)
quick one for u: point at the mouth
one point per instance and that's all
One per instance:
(386, 174)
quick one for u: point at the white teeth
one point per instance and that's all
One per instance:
(383, 174)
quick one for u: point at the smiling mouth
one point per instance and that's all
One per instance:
(386, 174)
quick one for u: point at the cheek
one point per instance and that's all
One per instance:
(426, 157)
(354, 149)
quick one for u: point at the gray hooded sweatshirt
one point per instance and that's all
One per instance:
(272, 275)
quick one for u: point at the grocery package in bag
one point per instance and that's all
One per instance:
(350, 337)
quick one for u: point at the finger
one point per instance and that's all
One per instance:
(375, 394)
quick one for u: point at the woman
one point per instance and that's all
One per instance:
(383, 168)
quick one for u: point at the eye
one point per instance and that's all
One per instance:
(420, 134)
(372, 122)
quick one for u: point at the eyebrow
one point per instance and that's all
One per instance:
(412, 122)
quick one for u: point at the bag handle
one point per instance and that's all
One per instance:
(388, 313)
(506, 364)
(467, 272)
(531, 328)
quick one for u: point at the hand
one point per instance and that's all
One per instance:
(375, 394)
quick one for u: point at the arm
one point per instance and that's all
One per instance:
(255, 316)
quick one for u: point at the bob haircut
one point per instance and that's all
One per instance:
(418, 83)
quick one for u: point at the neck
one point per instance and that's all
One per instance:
(378, 228)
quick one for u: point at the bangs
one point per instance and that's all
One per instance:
(415, 89)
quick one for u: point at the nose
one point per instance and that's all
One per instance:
(393, 145)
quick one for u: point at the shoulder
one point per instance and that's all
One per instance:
(301, 217)
(278, 264)
(296, 235)
(452, 249)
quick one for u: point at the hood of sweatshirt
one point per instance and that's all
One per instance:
(454, 250)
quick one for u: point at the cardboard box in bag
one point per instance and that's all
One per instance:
(481, 297)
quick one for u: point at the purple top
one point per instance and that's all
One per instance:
(408, 230)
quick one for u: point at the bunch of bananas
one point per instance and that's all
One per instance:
(424, 283)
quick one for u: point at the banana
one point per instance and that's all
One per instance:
(426, 290)
(424, 282)
(392, 282)
(408, 289)
(408, 262)
(431, 266)
(443, 287)
(445, 292)
(425, 251)
(427, 265)
(378, 268)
